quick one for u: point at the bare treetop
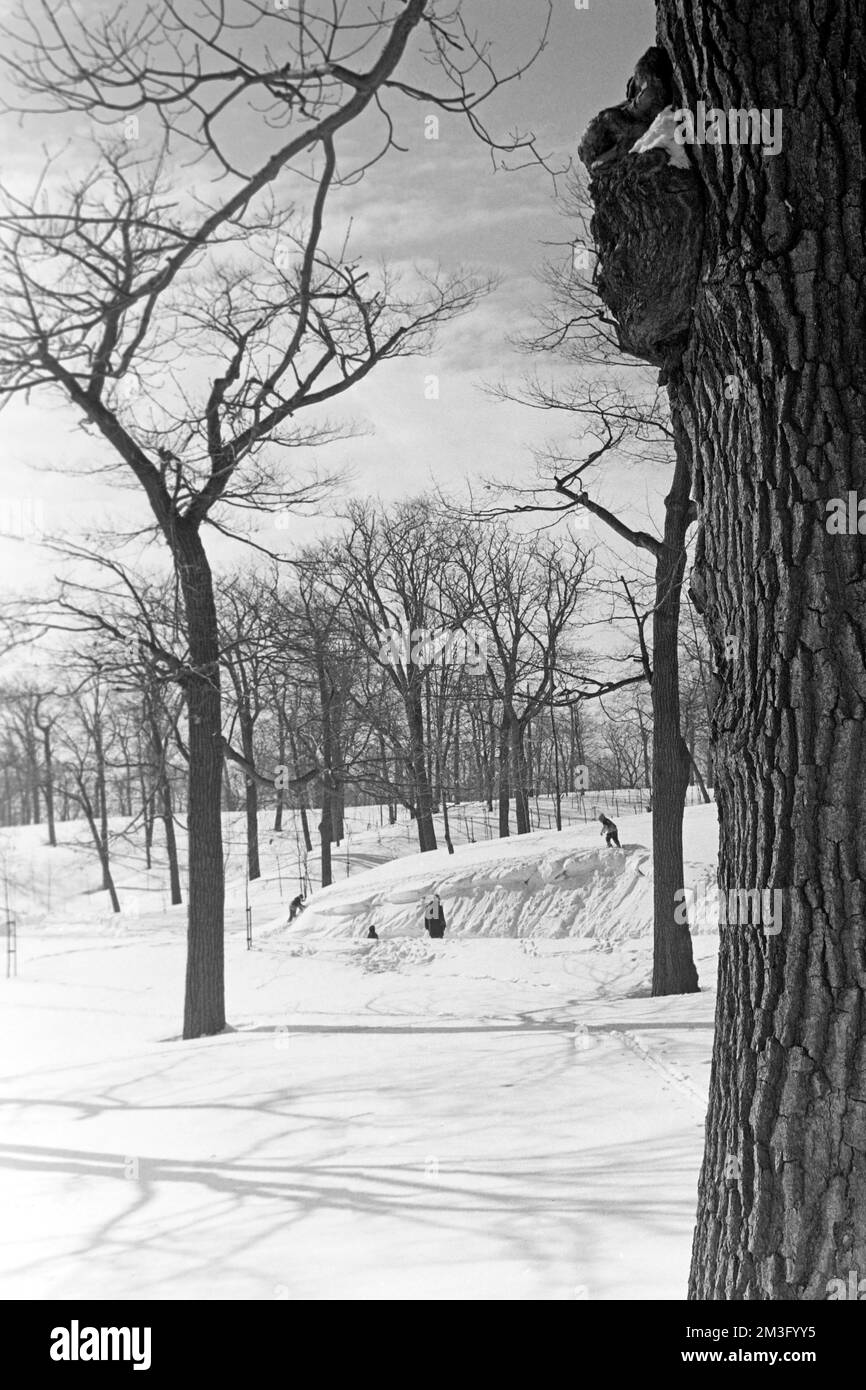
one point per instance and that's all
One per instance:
(189, 322)
(303, 69)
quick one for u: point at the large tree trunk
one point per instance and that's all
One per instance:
(673, 962)
(773, 392)
(204, 1003)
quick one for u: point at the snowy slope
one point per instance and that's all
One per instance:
(480, 1117)
(543, 884)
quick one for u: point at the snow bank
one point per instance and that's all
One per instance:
(547, 884)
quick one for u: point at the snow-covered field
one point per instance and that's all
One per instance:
(502, 1114)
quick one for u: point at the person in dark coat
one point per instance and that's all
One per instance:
(608, 830)
(372, 934)
(296, 907)
(434, 917)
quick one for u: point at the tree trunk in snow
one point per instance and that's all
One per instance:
(673, 961)
(326, 830)
(101, 803)
(772, 390)
(281, 758)
(160, 758)
(520, 773)
(702, 786)
(326, 825)
(504, 779)
(251, 797)
(420, 774)
(100, 842)
(204, 1002)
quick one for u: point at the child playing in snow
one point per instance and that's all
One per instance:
(434, 917)
(608, 830)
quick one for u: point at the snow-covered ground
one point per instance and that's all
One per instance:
(502, 1114)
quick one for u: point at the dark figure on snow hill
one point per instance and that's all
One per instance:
(296, 907)
(372, 934)
(608, 830)
(434, 917)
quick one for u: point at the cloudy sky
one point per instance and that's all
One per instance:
(441, 202)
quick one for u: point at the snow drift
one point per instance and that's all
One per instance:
(547, 884)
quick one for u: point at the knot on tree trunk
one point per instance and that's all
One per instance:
(648, 218)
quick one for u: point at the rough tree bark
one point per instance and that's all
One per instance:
(769, 380)
(773, 386)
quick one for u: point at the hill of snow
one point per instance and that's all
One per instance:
(543, 884)
(502, 1114)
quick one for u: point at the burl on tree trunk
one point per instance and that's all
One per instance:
(648, 220)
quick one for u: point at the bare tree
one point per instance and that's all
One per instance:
(392, 566)
(624, 419)
(115, 284)
(84, 749)
(525, 594)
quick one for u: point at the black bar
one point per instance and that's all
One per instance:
(228, 1339)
